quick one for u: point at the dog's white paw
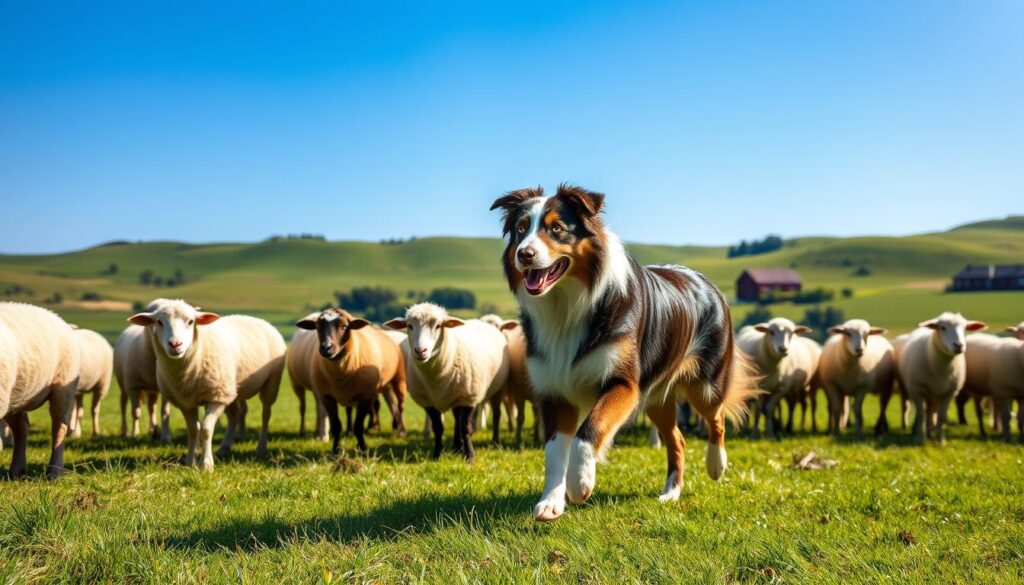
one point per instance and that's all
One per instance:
(716, 461)
(550, 508)
(673, 488)
(582, 474)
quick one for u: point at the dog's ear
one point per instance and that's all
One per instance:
(511, 203)
(588, 204)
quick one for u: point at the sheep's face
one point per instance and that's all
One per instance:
(1017, 331)
(333, 330)
(425, 324)
(855, 334)
(499, 323)
(778, 335)
(174, 325)
(949, 330)
(551, 237)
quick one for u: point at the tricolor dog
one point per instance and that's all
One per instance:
(606, 335)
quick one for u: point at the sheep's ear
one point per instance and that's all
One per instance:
(453, 322)
(307, 324)
(836, 330)
(144, 319)
(801, 329)
(762, 327)
(397, 324)
(508, 325)
(358, 323)
(976, 325)
(933, 324)
(204, 318)
(877, 331)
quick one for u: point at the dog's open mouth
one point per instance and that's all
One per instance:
(539, 280)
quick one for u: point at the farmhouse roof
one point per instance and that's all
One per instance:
(773, 275)
(991, 271)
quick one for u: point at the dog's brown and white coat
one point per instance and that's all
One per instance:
(605, 335)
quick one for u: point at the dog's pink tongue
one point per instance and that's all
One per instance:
(535, 278)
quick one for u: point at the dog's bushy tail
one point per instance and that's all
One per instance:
(742, 387)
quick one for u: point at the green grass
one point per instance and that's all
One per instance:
(889, 511)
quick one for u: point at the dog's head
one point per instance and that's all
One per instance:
(552, 238)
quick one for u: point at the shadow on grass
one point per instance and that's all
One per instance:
(389, 522)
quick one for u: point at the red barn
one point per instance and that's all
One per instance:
(754, 282)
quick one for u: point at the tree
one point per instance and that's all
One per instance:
(760, 314)
(453, 298)
(146, 277)
(820, 319)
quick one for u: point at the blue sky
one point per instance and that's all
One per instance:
(704, 122)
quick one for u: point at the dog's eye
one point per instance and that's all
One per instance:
(556, 229)
(521, 229)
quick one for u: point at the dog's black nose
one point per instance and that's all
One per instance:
(526, 254)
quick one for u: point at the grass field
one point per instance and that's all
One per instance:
(889, 512)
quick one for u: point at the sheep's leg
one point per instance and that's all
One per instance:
(772, 404)
(520, 419)
(942, 417)
(882, 426)
(213, 412)
(18, 423)
(243, 412)
(331, 407)
(154, 416)
(426, 428)
(663, 417)
(560, 421)
(364, 409)
(165, 420)
(617, 401)
(755, 422)
(300, 393)
(1002, 406)
(395, 397)
(6, 439)
(467, 432)
(62, 405)
(323, 423)
(496, 419)
(348, 420)
(919, 416)
(191, 415)
(858, 414)
(436, 421)
(136, 412)
(373, 415)
(96, 413)
(76, 414)
(961, 407)
(979, 413)
(457, 439)
(123, 399)
(791, 407)
(511, 410)
(814, 411)
(234, 415)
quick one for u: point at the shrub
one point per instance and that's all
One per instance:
(760, 314)
(862, 271)
(820, 319)
(453, 298)
(91, 296)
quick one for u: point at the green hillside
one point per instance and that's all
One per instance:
(280, 280)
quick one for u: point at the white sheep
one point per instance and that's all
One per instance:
(346, 362)
(204, 359)
(856, 360)
(930, 369)
(39, 362)
(995, 367)
(785, 361)
(97, 365)
(455, 365)
(518, 389)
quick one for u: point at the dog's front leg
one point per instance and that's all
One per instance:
(617, 402)
(559, 420)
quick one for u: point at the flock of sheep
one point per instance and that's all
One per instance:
(190, 359)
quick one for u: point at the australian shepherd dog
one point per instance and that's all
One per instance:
(606, 336)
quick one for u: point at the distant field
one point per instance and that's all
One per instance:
(889, 512)
(279, 280)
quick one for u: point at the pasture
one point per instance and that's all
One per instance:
(889, 511)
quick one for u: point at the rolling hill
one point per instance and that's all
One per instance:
(281, 279)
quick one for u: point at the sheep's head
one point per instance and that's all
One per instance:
(950, 331)
(1017, 331)
(855, 334)
(499, 323)
(778, 334)
(174, 324)
(425, 324)
(333, 330)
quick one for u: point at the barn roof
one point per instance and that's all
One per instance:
(991, 271)
(773, 275)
